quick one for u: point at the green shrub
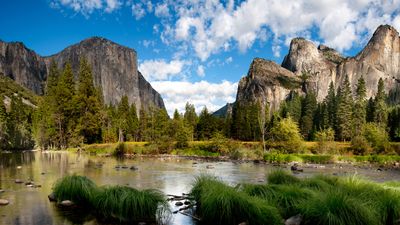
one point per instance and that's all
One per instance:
(326, 142)
(286, 135)
(121, 149)
(360, 146)
(78, 189)
(377, 137)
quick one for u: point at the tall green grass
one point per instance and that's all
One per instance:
(121, 203)
(78, 189)
(223, 204)
(282, 177)
(127, 204)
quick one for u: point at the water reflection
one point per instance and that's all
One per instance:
(30, 206)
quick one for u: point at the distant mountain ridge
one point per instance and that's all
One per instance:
(114, 69)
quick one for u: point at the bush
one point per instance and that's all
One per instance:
(326, 142)
(285, 133)
(360, 146)
(121, 149)
(377, 137)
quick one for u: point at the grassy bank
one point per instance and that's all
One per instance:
(319, 200)
(243, 151)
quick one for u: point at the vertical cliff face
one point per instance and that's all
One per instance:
(22, 65)
(114, 69)
(266, 82)
(316, 67)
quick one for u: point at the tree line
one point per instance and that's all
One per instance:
(72, 113)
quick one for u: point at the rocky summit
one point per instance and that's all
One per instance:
(114, 69)
(308, 67)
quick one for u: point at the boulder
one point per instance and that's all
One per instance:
(4, 202)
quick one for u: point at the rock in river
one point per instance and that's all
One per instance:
(66, 203)
(4, 202)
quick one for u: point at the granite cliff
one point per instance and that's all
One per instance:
(310, 68)
(114, 68)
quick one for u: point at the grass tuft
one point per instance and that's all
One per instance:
(282, 177)
(78, 189)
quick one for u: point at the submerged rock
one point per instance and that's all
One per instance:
(4, 202)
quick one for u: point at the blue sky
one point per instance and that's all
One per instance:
(196, 50)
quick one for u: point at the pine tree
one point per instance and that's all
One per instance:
(344, 116)
(190, 119)
(380, 109)
(88, 106)
(133, 123)
(123, 118)
(309, 105)
(360, 106)
(330, 101)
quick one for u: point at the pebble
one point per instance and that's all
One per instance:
(1, 190)
(19, 167)
(178, 203)
(4, 202)
(66, 203)
(18, 181)
(52, 197)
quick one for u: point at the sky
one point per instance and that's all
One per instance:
(196, 50)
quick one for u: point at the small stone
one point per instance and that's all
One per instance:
(209, 167)
(133, 168)
(124, 167)
(1, 190)
(43, 173)
(29, 185)
(18, 181)
(4, 202)
(37, 186)
(178, 203)
(187, 202)
(294, 220)
(66, 203)
(19, 167)
(52, 197)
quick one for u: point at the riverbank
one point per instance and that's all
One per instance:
(243, 151)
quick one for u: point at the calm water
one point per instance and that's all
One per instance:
(30, 206)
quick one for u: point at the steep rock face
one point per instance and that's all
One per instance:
(379, 59)
(22, 65)
(114, 69)
(313, 68)
(266, 81)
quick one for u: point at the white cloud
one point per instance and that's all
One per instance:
(112, 5)
(162, 10)
(203, 93)
(138, 11)
(159, 69)
(200, 71)
(87, 7)
(229, 60)
(209, 26)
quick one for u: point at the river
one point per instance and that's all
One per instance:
(172, 175)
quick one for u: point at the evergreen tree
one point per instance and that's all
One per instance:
(330, 102)
(122, 119)
(360, 106)
(64, 106)
(380, 106)
(309, 105)
(344, 115)
(88, 106)
(133, 123)
(190, 119)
